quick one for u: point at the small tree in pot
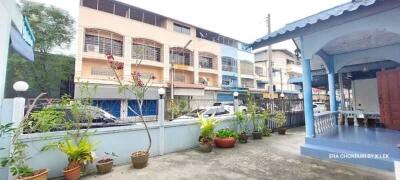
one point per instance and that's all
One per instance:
(16, 160)
(265, 117)
(241, 121)
(137, 86)
(206, 138)
(280, 121)
(252, 114)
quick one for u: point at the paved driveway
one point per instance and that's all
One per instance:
(275, 157)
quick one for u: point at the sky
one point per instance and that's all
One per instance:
(243, 20)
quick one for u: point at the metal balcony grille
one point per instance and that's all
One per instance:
(103, 42)
(145, 52)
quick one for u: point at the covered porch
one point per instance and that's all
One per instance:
(357, 44)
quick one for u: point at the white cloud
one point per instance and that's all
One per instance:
(243, 20)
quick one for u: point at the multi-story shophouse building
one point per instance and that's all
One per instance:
(193, 62)
(285, 65)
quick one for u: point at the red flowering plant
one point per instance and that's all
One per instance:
(138, 86)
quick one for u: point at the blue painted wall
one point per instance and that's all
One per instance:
(111, 106)
(149, 107)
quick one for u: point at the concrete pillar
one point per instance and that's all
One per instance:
(12, 112)
(78, 58)
(308, 102)
(196, 67)
(219, 68)
(332, 89)
(165, 58)
(5, 30)
(161, 110)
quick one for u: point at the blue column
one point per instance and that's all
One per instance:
(308, 102)
(332, 89)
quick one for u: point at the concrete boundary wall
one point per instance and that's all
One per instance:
(167, 137)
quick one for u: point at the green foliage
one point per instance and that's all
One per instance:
(16, 160)
(52, 26)
(280, 119)
(176, 108)
(45, 120)
(252, 111)
(241, 120)
(76, 151)
(226, 133)
(207, 126)
(46, 74)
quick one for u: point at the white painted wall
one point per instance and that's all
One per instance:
(366, 94)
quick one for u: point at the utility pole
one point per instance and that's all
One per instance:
(268, 63)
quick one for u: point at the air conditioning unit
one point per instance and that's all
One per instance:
(92, 48)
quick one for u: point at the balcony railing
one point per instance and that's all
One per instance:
(146, 52)
(324, 121)
(229, 68)
(181, 56)
(103, 42)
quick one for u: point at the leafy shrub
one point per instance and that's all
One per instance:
(280, 119)
(207, 126)
(226, 133)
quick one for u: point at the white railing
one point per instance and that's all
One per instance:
(324, 121)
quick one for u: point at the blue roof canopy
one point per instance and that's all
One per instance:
(288, 31)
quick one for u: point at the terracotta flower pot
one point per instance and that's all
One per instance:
(225, 142)
(243, 137)
(104, 166)
(257, 135)
(281, 131)
(72, 173)
(41, 174)
(139, 159)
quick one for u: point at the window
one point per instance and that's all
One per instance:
(106, 6)
(146, 52)
(103, 42)
(181, 56)
(246, 68)
(181, 29)
(288, 61)
(260, 71)
(90, 3)
(229, 64)
(206, 62)
(121, 10)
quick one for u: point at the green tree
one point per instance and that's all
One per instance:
(53, 27)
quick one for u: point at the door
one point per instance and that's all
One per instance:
(389, 98)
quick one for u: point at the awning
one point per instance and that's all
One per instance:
(293, 29)
(20, 46)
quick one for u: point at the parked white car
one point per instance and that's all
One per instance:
(230, 106)
(207, 112)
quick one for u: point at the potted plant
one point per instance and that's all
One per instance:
(265, 118)
(225, 138)
(105, 164)
(280, 121)
(79, 153)
(16, 160)
(252, 114)
(138, 86)
(242, 126)
(206, 138)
